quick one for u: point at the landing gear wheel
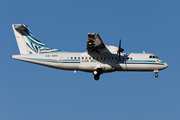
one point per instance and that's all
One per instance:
(96, 77)
(156, 75)
(95, 72)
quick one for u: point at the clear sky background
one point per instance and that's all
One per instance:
(34, 92)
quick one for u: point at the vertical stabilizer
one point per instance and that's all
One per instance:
(27, 43)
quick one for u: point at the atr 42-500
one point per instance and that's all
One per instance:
(98, 59)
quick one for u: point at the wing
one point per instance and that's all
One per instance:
(95, 44)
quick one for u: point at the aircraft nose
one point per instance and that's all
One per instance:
(165, 65)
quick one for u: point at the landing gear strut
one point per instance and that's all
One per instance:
(156, 73)
(97, 73)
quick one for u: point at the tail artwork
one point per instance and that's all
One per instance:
(27, 43)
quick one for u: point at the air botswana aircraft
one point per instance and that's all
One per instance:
(98, 59)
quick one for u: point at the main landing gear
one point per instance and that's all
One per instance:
(97, 73)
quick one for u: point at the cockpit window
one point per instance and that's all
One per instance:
(153, 56)
(157, 57)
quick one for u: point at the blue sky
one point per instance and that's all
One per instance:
(33, 92)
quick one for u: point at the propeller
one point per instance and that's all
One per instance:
(120, 50)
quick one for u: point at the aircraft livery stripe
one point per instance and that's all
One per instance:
(46, 60)
(140, 62)
(149, 61)
(54, 60)
(71, 60)
(78, 61)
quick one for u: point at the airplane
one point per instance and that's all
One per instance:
(98, 59)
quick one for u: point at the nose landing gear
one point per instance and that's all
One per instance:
(156, 73)
(97, 73)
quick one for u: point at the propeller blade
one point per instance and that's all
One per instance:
(119, 50)
(120, 44)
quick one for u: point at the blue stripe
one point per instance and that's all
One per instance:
(78, 60)
(65, 60)
(162, 61)
(148, 61)
(71, 60)
(41, 59)
(53, 51)
(137, 61)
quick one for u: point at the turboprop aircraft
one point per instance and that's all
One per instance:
(98, 59)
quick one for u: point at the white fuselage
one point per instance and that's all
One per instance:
(98, 59)
(90, 62)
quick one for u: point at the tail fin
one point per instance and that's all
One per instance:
(27, 43)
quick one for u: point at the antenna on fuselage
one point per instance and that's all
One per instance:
(120, 50)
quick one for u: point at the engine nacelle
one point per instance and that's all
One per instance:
(112, 49)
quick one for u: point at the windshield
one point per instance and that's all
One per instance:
(153, 56)
(157, 57)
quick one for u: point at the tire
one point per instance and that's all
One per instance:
(95, 72)
(96, 77)
(156, 75)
